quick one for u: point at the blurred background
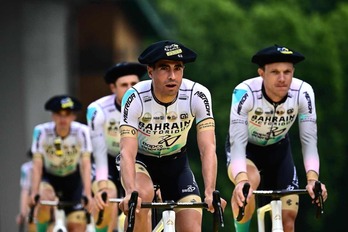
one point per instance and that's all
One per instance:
(53, 47)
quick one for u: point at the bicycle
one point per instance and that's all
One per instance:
(275, 206)
(167, 223)
(58, 214)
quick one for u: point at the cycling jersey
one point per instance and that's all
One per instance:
(25, 179)
(103, 118)
(61, 156)
(254, 118)
(163, 128)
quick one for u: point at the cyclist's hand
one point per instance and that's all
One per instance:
(238, 195)
(99, 202)
(20, 219)
(90, 204)
(209, 200)
(124, 204)
(34, 197)
(310, 188)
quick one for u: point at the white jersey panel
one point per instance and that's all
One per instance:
(163, 128)
(49, 145)
(104, 122)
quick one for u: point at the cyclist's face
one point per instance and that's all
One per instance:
(277, 79)
(63, 119)
(122, 84)
(166, 78)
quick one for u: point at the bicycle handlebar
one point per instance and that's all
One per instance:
(59, 205)
(218, 211)
(277, 194)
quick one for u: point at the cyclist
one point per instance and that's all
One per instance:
(61, 162)
(157, 115)
(25, 184)
(263, 110)
(103, 117)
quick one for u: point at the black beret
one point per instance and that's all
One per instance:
(166, 50)
(275, 54)
(63, 102)
(123, 69)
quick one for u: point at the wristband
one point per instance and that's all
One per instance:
(242, 176)
(312, 175)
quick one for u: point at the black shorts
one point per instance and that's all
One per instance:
(173, 174)
(114, 176)
(276, 166)
(67, 188)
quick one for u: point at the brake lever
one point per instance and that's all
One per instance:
(319, 197)
(241, 213)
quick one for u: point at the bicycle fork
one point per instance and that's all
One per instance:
(167, 222)
(275, 208)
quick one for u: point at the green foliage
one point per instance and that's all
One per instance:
(225, 34)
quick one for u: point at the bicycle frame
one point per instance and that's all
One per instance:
(275, 206)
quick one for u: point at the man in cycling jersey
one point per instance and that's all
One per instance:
(157, 115)
(61, 163)
(263, 110)
(103, 118)
(25, 184)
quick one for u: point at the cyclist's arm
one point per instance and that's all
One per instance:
(36, 175)
(86, 175)
(95, 121)
(207, 146)
(308, 134)
(129, 148)
(242, 103)
(238, 131)
(202, 109)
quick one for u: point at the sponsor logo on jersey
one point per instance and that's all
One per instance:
(280, 111)
(164, 128)
(309, 102)
(241, 102)
(113, 127)
(205, 101)
(126, 107)
(184, 115)
(183, 97)
(159, 117)
(258, 111)
(147, 117)
(171, 116)
(272, 121)
(147, 98)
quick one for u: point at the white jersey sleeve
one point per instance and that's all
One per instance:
(238, 130)
(201, 103)
(307, 120)
(96, 120)
(25, 179)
